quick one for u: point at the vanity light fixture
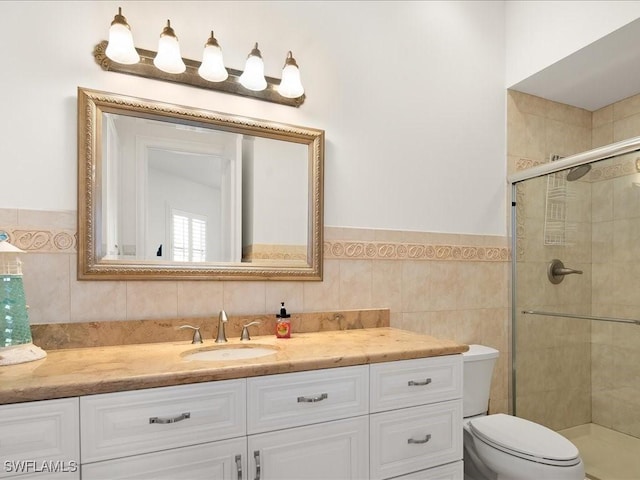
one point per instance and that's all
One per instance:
(120, 48)
(212, 66)
(168, 58)
(120, 55)
(290, 85)
(253, 75)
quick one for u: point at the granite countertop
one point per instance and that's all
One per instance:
(85, 371)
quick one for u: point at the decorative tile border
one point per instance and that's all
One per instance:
(412, 251)
(42, 240)
(524, 163)
(259, 251)
(625, 166)
(65, 241)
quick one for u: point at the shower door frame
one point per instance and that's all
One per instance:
(601, 153)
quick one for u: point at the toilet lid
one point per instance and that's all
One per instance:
(525, 439)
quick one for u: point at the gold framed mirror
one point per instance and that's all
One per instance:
(171, 192)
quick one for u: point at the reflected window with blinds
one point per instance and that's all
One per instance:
(188, 237)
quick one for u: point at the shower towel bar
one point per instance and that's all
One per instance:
(585, 317)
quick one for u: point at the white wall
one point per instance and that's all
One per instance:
(279, 197)
(411, 95)
(540, 33)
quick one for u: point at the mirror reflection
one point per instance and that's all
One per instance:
(181, 193)
(166, 191)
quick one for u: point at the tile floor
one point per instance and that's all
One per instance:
(608, 455)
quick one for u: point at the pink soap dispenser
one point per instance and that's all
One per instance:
(283, 324)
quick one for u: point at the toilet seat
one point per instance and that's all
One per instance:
(524, 439)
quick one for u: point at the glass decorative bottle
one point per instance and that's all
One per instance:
(15, 333)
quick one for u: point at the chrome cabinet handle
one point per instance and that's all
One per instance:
(413, 383)
(179, 418)
(256, 456)
(418, 442)
(317, 398)
(239, 466)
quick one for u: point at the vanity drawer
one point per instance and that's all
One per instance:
(39, 437)
(415, 438)
(409, 383)
(303, 398)
(142, 421)
(450, 471)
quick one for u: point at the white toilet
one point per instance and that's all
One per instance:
(504, 447)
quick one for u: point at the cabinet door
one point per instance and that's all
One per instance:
(332, 450)
(40, 439)
(224, 460)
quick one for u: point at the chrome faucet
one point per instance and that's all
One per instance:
(222, 319)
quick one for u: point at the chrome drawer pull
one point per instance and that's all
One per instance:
(419, 384)
(417, 442)
(239, 466)
(317, 398)
(179, 418)
(256, 456)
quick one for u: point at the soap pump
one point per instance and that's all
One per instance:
(283, 324)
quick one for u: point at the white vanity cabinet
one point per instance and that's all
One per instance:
(40, 440)
(398, 419)
(416, 418)
(309, 425)
(187, 431)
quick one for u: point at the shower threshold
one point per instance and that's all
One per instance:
(607, 454)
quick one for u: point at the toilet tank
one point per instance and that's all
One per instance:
(478, 365)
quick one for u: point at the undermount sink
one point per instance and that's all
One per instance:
(229, 352)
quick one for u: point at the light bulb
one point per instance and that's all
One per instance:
(212, 67)
(253, 76)
(120, 47)
(290, 85)
(168, 58)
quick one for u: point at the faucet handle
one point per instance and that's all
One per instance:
(197, 337)
(245, 330)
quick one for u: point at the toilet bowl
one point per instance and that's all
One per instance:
(504, 447)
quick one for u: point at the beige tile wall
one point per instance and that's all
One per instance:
(446, 285)
(553, 383)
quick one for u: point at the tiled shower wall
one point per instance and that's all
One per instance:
(553, 381)
(573, 371)
(447, 285)
(616, 263)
